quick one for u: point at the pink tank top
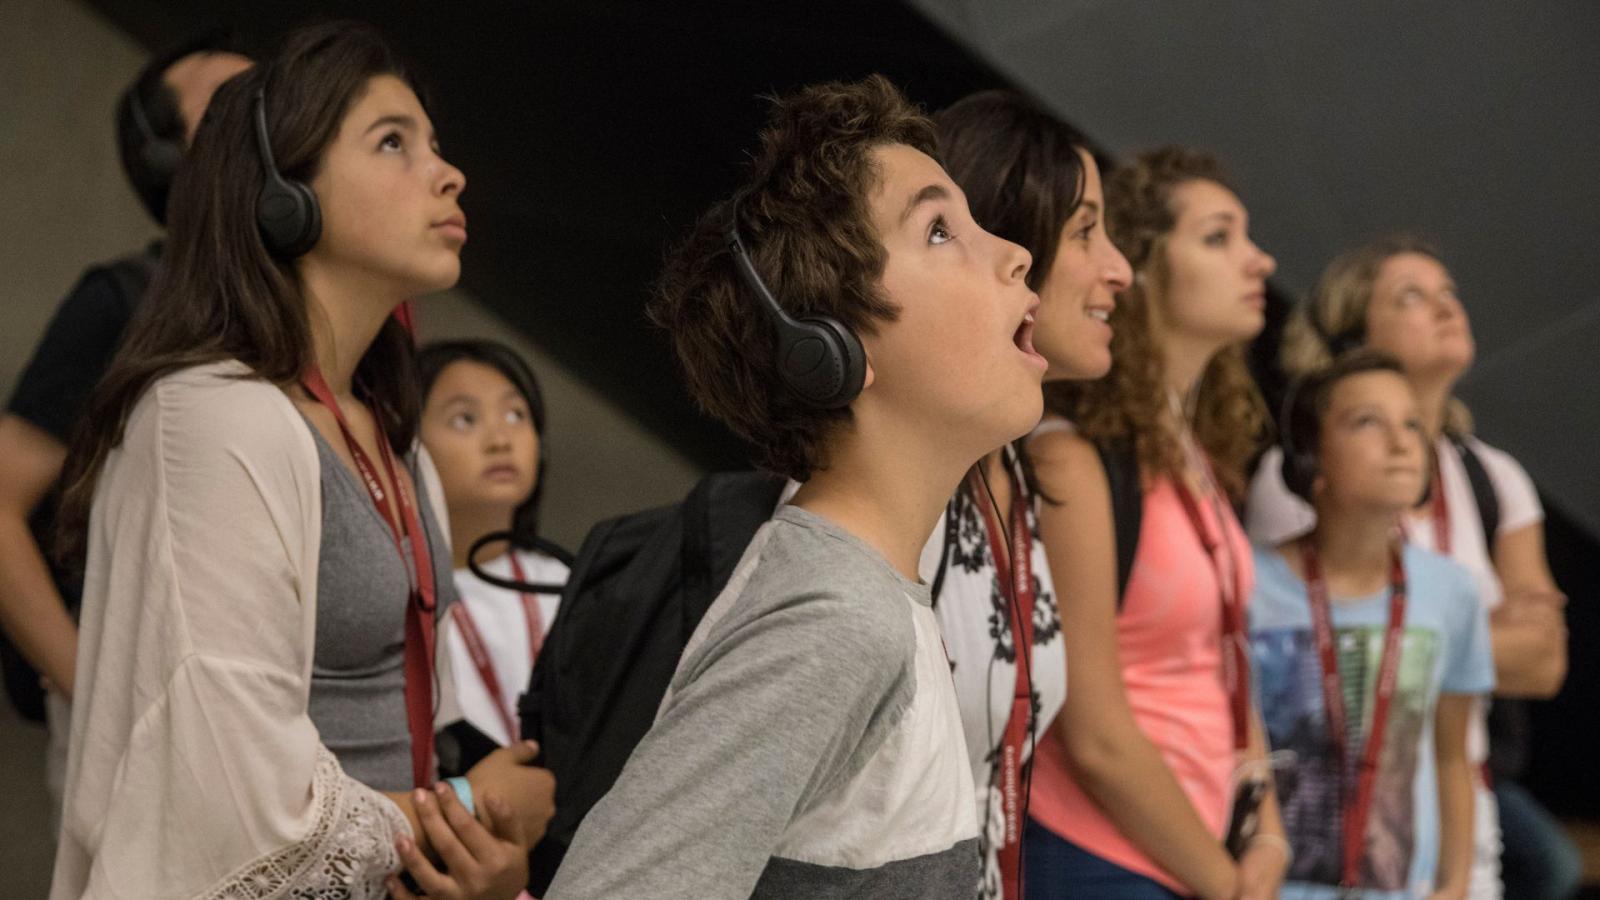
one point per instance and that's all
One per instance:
(1169, 635)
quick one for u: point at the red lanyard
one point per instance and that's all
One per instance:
(1441, 511)
(479, 651)
(1357, 805)
(1231, 590)
(1016, 580)
(420, 603)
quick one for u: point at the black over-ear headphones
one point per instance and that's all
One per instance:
(1299, 463)
(160, 155)
(286, 210)
(1337, 344)
(820, 361)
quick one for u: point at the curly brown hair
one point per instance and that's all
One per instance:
(1130, 403)
(805, 215)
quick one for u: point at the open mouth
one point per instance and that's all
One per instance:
(1023, 336)
(1100, 314)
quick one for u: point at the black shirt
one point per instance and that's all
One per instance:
(79, 343)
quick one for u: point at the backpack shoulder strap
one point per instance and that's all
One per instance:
(720, 516)
(1127, 505)
(1488, 502)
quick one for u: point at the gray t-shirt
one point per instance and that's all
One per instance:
(358, 700)
(808, 746)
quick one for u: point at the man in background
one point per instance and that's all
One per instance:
(155, 119)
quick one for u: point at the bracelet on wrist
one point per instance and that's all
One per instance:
(463, 789)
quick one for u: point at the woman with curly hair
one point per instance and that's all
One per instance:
(1132, 789)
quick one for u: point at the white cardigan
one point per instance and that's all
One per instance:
(195, 771)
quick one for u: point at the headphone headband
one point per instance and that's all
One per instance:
(747, 267)
(160, 155)
(263, 145)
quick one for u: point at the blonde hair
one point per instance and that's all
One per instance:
(1130, 403)
(1333, 320)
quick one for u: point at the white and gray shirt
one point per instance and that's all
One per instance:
(808, 746)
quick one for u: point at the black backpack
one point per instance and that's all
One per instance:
(638, 589)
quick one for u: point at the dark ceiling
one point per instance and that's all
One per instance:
(592, 133)
(1473, 121)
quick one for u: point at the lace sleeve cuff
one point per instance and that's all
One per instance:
(346, 856)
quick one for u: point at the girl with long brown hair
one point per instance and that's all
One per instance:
(1132, 785)
(255, 676)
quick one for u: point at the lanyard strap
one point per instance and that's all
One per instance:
(1016, 580)
(1357, 805)
(1231, 592)
(420, 603)
(1441, 511)
(479, 651)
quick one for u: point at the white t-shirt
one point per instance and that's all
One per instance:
(975, 618)
(1274, 515)
(502, 622)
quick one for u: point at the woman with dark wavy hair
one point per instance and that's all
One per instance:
(255, 673)
(1133, 784)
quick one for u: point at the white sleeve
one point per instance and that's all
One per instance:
(1519, 500)
(195, 769)
(1273, 514)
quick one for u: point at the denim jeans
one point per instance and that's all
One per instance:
(1539, 861)
(1054, 868)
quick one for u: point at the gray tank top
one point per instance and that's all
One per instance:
(357, 670)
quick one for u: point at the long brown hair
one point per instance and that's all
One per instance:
(1130, 403)
(218, 293)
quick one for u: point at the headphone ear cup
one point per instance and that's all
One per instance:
(1299, 472)
(855, 361)
(161, 158)
(820, 362)
(288, 216)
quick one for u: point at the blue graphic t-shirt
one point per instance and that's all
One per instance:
(1445, 649)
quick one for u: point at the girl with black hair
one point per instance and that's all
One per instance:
(483, 422)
